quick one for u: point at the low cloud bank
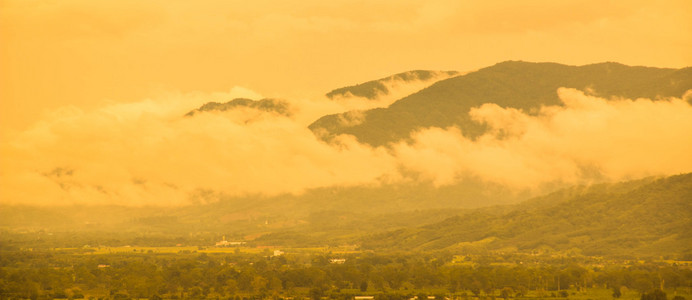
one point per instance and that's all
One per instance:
(587, 139)
(147, 153)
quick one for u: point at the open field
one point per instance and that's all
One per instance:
(197, 249)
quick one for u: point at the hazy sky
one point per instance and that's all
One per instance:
(86, 53)
(92, 94)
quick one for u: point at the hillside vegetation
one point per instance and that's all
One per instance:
(374, 88)
(643, 217)
(522, 85)
(276, 106)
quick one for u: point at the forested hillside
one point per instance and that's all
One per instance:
(277, 106)
(514, 84)
(644, 217)
(374, 88)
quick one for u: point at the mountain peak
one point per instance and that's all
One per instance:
(511, 84)
(277, 106)
(374, 88)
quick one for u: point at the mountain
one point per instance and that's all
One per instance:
(522, 85)
(649, 216)
(374, 88)
(277, 106)
(316, 212)
(642, 217)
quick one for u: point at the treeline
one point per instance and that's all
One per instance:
(47, 275)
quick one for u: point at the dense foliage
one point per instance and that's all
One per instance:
(515, 84)
(646, 217)
(374, 88)
(71, 274)
(643, 218)
(280, 107)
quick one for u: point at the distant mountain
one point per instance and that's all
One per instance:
(514, 84)
(373, 89)
(277, 106)
(221, 213)
(643, 217)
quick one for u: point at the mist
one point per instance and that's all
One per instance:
(588, 139)
(148, 153)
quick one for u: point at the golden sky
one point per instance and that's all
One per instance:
(92, 94)
(86, 53)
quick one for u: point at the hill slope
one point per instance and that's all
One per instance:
(267, 105)
(513, 84)
(374, 88)
(644, 217)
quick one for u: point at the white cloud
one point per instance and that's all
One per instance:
(148, 153)
(617, 139)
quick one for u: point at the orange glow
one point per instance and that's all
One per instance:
(83, 83)
(85, 53)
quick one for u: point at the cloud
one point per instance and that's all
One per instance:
(80, 51)
(392, 89)
(589, 138)
(147, 153)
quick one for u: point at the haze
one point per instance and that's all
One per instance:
(94, 94)
(88, 54)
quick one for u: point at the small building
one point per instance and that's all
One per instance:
(224, 243)
(338, 261)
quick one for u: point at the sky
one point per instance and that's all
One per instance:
(91, 92)
(87, 53)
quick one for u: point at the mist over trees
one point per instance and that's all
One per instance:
(447, 220)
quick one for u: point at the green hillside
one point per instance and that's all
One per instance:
(515, 84)
(644, 217)
(268, 105)
(372, 89)
(318, 216)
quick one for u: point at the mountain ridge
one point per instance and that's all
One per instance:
(373, 88)
(629, 218)
(270, 105)
(522, 85)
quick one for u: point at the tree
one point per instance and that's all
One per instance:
(231, 286)
(475, 288)
(275, 284)
(316, 293)
(654, 295)
(616, 292)
(363, 286)
(259, 284)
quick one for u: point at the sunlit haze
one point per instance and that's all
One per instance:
(93, 95)
(352, 150)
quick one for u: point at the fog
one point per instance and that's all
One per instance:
(148, 153)
(588, 139)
